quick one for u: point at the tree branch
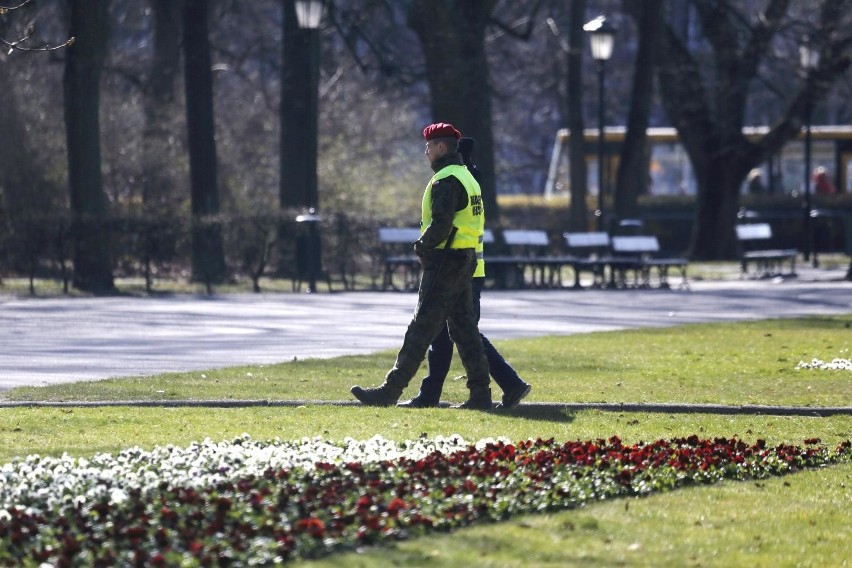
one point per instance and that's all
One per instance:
(757, 46)
(510, 29)
(16, 45)
(835, 59)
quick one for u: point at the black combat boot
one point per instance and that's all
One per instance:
(383, 395)
(514, 396)
(480, 399)
(419, 402)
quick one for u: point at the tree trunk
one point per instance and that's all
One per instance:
(24, 189)
(453, 40)
(159, 189)
(208, 259)
(81, 85)
(633, 168)
(579, 213)
(719, 181)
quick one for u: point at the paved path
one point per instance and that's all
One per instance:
(56, 340)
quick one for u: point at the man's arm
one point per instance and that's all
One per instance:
(448, 196)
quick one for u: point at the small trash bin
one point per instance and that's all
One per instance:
(828, 230)
(309, 249)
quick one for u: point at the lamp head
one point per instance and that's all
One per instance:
(602, 37)
(309, 13)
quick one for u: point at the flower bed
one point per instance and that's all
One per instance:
(836, 364)
(267, 502)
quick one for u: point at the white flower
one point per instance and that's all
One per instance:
(50, 483)
(117, 496)
(836, 364)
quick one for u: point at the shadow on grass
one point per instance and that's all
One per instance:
(541, 413)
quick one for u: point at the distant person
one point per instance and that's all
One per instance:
(452, 225)
(440, 352)
(822, 184)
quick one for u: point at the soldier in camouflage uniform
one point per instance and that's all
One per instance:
(452, 213)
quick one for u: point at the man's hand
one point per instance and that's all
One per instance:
(419, 248)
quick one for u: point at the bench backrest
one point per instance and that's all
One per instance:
(407, 235)
(525, 242)
(587, 240)
(522, 237)
(397, 235)
(635, 245)
(514, 237)
(754, 231)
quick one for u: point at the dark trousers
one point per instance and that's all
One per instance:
(445, 300)
(441, 353)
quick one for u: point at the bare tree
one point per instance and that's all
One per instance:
(159, 107)
(208, 259)
(81, 82)
(632, 177)
(578, 215)
(453, 41)
(709, 109)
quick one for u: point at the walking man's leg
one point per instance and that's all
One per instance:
(435, 300)
(465, 334)
(438, 360)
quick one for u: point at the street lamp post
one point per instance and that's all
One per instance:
(601, 38)
(809, 59)
(309, 15)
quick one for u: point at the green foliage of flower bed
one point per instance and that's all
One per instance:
(246, 502)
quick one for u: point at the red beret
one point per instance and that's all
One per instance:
(441, 130)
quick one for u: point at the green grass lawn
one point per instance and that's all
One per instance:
(730, 363)
(798, 520)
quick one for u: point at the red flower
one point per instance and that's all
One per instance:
(313, 526)
(396, 506)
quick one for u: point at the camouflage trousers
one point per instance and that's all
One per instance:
(444, 298)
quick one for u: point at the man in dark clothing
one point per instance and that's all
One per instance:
(441, 350)
(452, 225)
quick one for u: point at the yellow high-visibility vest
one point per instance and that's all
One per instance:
(469, 222)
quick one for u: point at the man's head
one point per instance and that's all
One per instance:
(466, 149)
(441, 139)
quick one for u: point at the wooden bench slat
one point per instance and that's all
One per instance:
(521, 237)
(587, 240)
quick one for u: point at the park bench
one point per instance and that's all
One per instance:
(528, 253)
(769, 261)
(641, 254)
(589, 253)
(398, 257)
